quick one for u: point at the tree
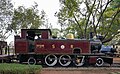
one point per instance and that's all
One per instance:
(55, 32)
(110, 21)
(45, 22)
(90, 15)
(26, 18)
(112, 14)
(6, 13)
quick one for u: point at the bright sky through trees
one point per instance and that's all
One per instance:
(49, 6)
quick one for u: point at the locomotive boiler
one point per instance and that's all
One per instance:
(37, 46)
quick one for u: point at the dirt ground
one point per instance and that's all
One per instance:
(116, 60)
(82, 70)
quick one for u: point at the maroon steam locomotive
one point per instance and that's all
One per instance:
(37, 46)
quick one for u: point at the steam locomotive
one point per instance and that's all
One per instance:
(37, 46)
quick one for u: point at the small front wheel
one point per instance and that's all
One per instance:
(99, 62)
(31, 61)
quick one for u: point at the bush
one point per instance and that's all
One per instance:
(19, 69)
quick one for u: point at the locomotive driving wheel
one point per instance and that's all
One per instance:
(50, 60)
(65, 60)
(79, 61)
(99, 62)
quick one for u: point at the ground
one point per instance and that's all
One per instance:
(81, 71)
(84, 70)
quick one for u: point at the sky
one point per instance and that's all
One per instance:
(49, 6)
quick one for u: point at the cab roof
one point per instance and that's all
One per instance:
(37, 30)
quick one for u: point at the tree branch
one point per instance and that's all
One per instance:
(90, 12)
(102, 13)
(78, 24)
(109, 39)
(118, 11)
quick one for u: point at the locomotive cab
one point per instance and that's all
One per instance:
(26, 43)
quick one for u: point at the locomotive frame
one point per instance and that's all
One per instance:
(37, 46)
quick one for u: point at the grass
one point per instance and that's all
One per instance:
(6, 68)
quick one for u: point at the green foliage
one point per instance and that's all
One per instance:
(55, 32)
(84, 16)
(26, 18)
(6, 13)
(115, 3)
(19, 68)
(70, 6)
